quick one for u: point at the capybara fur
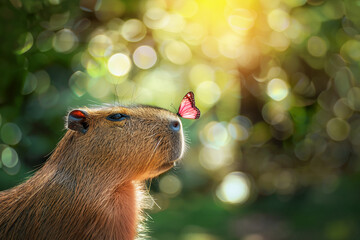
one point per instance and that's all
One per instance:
(89, 188)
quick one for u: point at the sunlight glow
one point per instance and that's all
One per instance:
(242, 19)
(234, 189)
(119, 64)
(215, 159)
(278, 20)
(208, 93)
(178, 52)
(144, 57)
(100, 46)
(277, 89)
(133, 30)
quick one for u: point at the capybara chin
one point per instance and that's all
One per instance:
(89, 187)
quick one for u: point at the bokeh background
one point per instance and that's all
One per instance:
(275, 154)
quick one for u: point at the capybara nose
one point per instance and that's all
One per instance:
(175, 125)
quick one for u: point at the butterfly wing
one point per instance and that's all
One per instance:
(187, 108)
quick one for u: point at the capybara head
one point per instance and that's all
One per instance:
(135, 142)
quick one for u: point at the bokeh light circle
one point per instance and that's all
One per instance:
(100, 46)
(215, 159)
(119, 64)
(277, 89)
(242, 19)
(239, 128)
(215, 135)
(278, 20)
(177, 52)
(144, 57)
(64, 41)
(9, 157)
(208, 93)
(133, 30)
(234, 189)
(317, 46)
(11, 133)
(156, 18)
(338, 129)
(170, 184)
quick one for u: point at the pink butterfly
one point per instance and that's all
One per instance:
(187, 107)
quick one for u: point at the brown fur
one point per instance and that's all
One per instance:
(87, 188)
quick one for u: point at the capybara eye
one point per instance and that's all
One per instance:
(117, 117)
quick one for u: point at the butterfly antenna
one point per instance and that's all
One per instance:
(172, 105)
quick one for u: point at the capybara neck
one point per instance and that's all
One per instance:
(90, 187)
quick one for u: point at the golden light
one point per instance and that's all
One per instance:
(229, 45)
(177, 52)
(214, 159)
(317, 46)
(200, 73)
(210, 47)
(133, 30)
(208, 93)
(64, 41)
(234, 189)
(294, 3)
(215, 135)
(278, 41)
(187, 8)
(156, 18)
(98, 88)
(278, 20)
(239, 128)
(144, 57)
(242, 19)
(175, 24)
(277, 89)
(159, 80)
(295, 31)
(193, 33)
(100, 46)
(119, 64)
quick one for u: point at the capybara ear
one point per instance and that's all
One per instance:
(78, 121)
